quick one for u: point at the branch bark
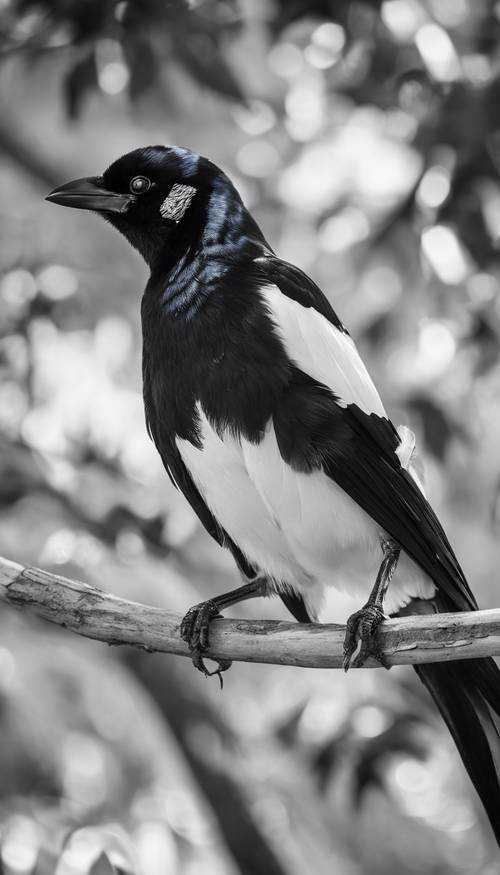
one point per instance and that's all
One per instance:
(93, 613)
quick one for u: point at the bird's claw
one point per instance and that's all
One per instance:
(194, 631)
(361, 636)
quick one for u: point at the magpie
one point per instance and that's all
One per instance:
(266, 418)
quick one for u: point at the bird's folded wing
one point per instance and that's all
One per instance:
(332, 417)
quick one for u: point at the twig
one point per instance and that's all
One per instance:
(93, 613)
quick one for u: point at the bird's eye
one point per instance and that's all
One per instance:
(140, 184)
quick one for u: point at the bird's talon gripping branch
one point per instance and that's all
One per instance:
(199, 663)
(194, 631)
(361, 637)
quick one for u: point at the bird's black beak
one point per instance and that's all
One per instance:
(89, 194)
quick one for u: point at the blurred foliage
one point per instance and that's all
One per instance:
(126, 44)
(365, 137)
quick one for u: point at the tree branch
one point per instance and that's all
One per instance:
(93, 613)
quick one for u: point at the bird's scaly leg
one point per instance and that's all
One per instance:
(362, 626)
(195, 625)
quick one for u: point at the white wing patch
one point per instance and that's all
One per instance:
(322, 351)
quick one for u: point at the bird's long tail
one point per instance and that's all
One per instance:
(467, 693)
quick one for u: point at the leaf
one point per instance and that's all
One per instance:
(142, 63)
(484, 336)
(204, 62)
(329, 756)
(81, 79)
(287, 731)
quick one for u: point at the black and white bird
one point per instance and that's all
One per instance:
(267, 420)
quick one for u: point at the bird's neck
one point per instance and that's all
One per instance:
(217, 237)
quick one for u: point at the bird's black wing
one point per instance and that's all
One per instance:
(331, 417)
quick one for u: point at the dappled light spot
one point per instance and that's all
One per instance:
(258, 158)
(387, 171)
(17, 287)
(329, 35)
(451, 13)
(436, 348)
(482, 288)
(57, 282)
(84, 769)
(20, 845)
(325, 47)
(400, 124)
(421, 788)
(478, 69)
(446, 254)
(255, 119)
(59, 547)
(438, 52)
(403, 18)
(286, 60)
(434, 187)
(412, 776)
(321, 718)
(113, 342)
(454, 817)
(112, 72)
(66, 545)
(382, 285)
(344, 230)
(155, 848)
(130, 547)
(369, 721)
(113, 77)
(305, 108)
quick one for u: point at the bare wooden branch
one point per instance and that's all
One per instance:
(93, 613)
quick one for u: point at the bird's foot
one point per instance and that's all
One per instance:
(361, 636)
(195, 630)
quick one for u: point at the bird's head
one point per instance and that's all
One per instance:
(156, 196)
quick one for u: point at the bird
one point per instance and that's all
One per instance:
(267, 420)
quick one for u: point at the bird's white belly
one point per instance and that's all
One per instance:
(294, 526)
(297, 528)
(319, 520)
(218, 469)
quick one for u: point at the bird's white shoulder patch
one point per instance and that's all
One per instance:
(319, 349)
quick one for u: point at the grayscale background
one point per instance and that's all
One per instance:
(365, 137)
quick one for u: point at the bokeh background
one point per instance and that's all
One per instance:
(365, 137)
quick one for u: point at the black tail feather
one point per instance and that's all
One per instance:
(485, 676)
(464, 692)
